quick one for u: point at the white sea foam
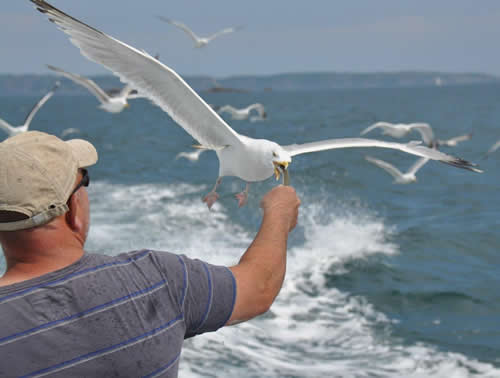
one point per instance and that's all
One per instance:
(312, 330)
(164, 218)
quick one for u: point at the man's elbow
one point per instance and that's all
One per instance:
(263, 306)
(265, 298)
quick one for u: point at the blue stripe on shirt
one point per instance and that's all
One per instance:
(103, 351)
(234, 296)
(209, 302)
(164, 368)
(72, 275)
(11, 338)
(184, 289)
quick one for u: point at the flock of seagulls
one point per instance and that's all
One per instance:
(400, 130)
(249, 159)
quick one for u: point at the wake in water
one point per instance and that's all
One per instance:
(312, 329)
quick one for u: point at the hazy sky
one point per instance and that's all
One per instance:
(278, 35)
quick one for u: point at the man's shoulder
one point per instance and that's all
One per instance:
(131, 256)
(144, 258)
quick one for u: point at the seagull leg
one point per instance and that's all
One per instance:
(212, 196)
(243, 196)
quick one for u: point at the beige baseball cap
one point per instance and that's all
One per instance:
(37, 175)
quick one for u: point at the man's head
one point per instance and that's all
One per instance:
(38, 172)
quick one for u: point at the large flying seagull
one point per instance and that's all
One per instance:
(247, 158)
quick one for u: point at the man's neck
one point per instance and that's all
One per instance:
(36, 254)
(21, 269)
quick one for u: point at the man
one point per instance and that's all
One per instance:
(68, 313)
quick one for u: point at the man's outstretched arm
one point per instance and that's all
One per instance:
(261, 270)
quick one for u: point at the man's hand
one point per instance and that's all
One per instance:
(282, 202)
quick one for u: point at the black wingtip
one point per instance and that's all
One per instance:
(41, 5)
(464, 164)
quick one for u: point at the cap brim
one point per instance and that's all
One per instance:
(84, 152)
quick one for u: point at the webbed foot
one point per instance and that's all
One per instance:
(210, 199)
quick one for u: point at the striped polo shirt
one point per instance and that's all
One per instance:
(111, 316)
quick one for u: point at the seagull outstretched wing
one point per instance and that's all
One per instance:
(149, 76)
(181, 26)
(221, 32)
(90, 84)
(417, 165)
(39, 104)
(389, 168)
(411, 148)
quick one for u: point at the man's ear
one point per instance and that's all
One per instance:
(72, 218)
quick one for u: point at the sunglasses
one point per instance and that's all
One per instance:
(85, 181)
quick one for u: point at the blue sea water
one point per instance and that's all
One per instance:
(383, 280)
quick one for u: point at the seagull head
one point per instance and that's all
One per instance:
(281, 159)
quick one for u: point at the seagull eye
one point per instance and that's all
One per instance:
(275, 154)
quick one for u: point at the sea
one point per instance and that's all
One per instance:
(383, 280)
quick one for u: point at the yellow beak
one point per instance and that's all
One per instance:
(278, 166)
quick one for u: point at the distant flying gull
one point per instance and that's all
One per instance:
(399, 130)
(452, 142)
(492, 149)
(14, 130)
(199, 41)
(191, 156)
(249, 159)
(399, 177)
(244, 113)
(69, 131)
(113, 101)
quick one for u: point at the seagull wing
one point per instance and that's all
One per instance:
(84, 82)
(425, 131)
(150, 77)
(389, 168)
(227, 109)
(384, 125)
(39, 104)
(8, 128)
(181, 26)
(410, 148)
(257, 106)
(221, 32)
(494, 147)
(455, 140)
(417, 165)
(125, 92)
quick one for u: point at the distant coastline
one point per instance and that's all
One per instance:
(31, 84)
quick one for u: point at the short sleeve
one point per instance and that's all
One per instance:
(206, 293)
